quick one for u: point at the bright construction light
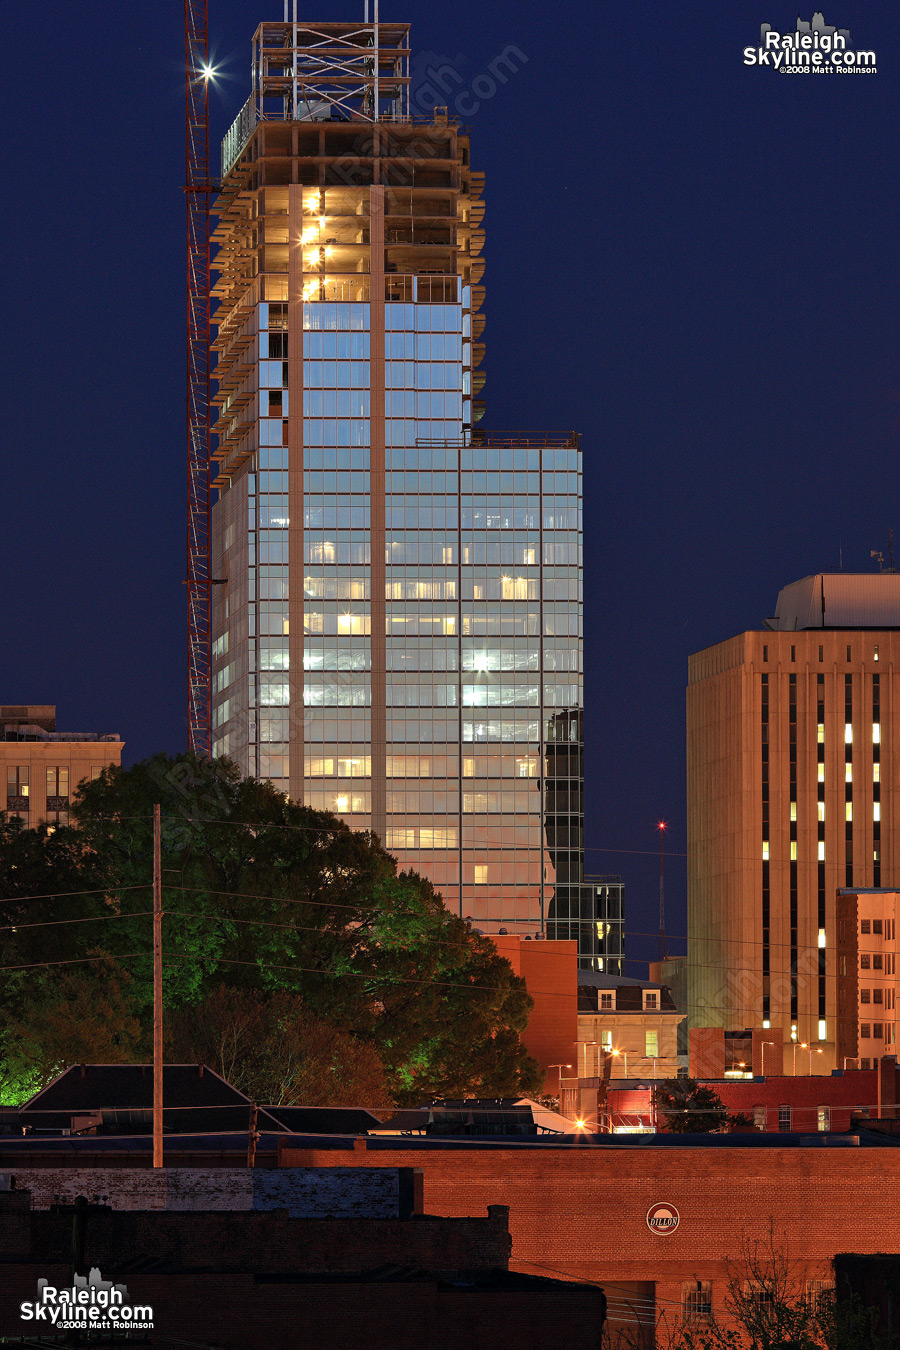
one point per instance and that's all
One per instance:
(208, 72)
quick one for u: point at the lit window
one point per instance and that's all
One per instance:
(606, 1037)
(820, 733)
(876, 773)
(823, 1117)
(876, 733)
(821, 773)
(481, 874)
(848, 733)
(793, 850)
(651, 1044)
(876, 811)
(848, 811)
(821, 806)
(765, 850)
(766, 1024)
(875, 655)
(823, 1029)
(821, 937)
(848, 773)
(821, 850)
(793, 810)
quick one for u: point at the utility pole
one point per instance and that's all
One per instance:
(252, 1136)
(157, 994)
(662, 898)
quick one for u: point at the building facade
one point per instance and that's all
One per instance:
(631, 1023)
(867, 975)
(43, 766)
(397, 635)
(793, 735)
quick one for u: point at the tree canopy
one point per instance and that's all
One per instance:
(260, 896)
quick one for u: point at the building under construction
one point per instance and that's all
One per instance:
(398, 635)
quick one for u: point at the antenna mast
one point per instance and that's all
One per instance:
(662, 898)
(197, 189)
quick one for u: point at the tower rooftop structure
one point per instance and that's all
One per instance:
(839, 600)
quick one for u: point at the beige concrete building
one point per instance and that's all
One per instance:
(43, 766)
(867, 976)
(793, 735)
(633, 1021)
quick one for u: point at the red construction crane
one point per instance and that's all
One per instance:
(197, 195)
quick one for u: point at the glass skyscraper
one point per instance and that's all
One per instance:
(398, 638)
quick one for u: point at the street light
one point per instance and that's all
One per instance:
(586, 1044)
(763, 1055)
(624, 1055)
(559, 1068)
(812, 1050)
(802, 1045)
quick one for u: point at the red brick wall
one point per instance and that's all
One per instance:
(550, 970)
(582, 1212)
(706, 1047)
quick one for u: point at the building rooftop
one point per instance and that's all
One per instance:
(37, 722)
(867, 600)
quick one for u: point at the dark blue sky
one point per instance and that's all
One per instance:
(690, 261)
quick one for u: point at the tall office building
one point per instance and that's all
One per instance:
(398, 638)
(793, 744)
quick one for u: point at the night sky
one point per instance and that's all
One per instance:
(692, 262)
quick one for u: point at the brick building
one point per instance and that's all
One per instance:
(249, 1280)
(579, 1209)
(550, 970)
(867, 975)
(814, 1103)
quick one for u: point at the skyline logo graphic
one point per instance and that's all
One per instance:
(89, 1303)
(812, 47)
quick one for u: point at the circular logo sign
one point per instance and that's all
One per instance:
(663, 1218)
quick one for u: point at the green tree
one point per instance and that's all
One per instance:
(263, 895)
(688, 1107)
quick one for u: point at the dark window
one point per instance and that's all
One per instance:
(765, 653)
(784, 1119)
(865, 996)
(877, 962)
(865, 1031)
(821, 653)
(876, 925)
(865, 961)
(793, 653)
(864, 926)
(878, 1031)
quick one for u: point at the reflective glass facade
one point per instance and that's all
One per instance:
(399, 636)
